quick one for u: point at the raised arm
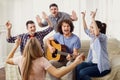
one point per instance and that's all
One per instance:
(64, 70)
(8, 26)
(83, 20)
(39, 20)
(74, 16)
(95, 27)
(45, 16)
(9, 59)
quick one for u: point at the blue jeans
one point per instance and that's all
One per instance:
(86, 70)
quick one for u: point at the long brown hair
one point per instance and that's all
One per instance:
(31, 52)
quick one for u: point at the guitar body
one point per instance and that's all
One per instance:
(59, 47)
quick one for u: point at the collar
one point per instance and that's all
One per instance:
(30, 36)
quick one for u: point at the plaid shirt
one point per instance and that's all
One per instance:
(25, 36)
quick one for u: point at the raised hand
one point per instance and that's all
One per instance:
(44, 15)
(8, 25)
(74, 16)
(83, 14)
(38, 19)
(93, 13)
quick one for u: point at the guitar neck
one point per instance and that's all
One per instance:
(65, 54)
(62, 53)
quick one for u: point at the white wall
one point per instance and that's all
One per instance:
(19, 11)
(3, 45)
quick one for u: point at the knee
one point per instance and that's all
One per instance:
(80, 66)
(82, 73)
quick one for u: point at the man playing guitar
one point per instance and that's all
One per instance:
(64, 36)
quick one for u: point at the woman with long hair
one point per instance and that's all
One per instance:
(33, 65)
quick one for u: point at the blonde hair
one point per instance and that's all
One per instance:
(31, 52)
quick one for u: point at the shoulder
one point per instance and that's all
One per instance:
(63, 13)
(58, 34)
(75, 36)
(102, 37)
(45, 62)
(40, 58)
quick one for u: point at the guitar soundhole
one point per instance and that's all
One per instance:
(54, 54)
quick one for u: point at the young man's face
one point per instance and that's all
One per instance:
(31, 29)
(54, 10)
(66, 28)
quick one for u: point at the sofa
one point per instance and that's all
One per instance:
(12, 72)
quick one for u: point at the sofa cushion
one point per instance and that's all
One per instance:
(113, 47)
(115, 70)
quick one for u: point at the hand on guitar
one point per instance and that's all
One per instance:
(72, 57)
(69, 57)
(52, 49)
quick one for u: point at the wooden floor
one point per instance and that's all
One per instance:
(2, 74)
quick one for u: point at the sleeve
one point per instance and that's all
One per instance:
(45, 32)
(12, 39)
(87, 31)
(46, 63)
(56, 36)
(44, 23)
(77, 44)
(67, 16)
(102, 37)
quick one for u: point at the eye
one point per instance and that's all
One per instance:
(30, 27)
(91, 27)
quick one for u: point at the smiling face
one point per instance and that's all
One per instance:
(54, 10)
(31, 28)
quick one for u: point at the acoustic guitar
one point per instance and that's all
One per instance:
(59, 54)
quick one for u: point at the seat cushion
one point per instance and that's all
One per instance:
(115, 70)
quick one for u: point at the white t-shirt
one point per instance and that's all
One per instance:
(94, 55)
